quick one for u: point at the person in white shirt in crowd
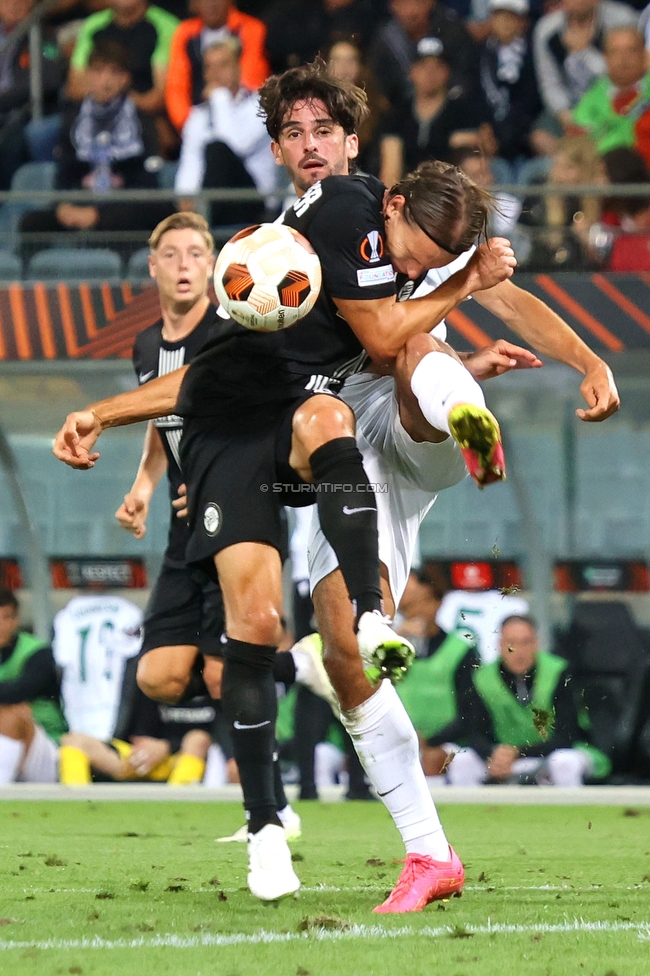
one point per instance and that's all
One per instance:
(225, 143)
(94, 635)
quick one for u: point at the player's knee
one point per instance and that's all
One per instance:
(318, 421)
(414, 350)
(259, 623)
(161, 685)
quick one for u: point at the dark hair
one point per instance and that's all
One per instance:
(522, 618)
(7, 598)
(433, 575)
(446, 204)
(346, 104)
(110, 52)
(626, 165)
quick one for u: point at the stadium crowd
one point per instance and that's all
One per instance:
(143, 95)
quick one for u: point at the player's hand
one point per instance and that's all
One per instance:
(500, 762)
(147, 754)
(490, 264)
(599, 390)
(498, 358)
(180, 503)
(74, 442)
(132, 515)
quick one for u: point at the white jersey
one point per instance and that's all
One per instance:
(407, 475)
(93, 637)
(479, 613)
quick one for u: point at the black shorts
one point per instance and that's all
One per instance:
(231, 465)
(185, 607)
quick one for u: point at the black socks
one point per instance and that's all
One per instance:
(348, 518)
(250, 707)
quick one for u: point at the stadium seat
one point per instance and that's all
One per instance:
(611, 666)
(31, 176)
(10, 267)
(42, 136)
(138, 266)
(167, 175)
(75, 263)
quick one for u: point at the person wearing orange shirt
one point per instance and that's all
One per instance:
(216, 20)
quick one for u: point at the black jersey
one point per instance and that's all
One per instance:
(140, 716)
(154, 356)
(342, 219)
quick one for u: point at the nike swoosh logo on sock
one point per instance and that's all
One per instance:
(238, 725)
(390, 791)
(352, 511)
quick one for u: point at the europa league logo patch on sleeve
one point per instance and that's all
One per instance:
(212, 518)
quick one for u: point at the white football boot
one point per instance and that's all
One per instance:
(270, 871)
(307, 656)
(384, 653)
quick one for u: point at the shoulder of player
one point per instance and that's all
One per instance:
(333, 197)
(147, 338)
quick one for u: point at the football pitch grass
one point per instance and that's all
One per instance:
(105, 889)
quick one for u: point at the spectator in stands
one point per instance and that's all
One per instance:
(31, 719)
(155, 742)
(508, 80)
(345, 61)
(225, 142)
(145, 32)
(439, 118)
(568, 47)
(562, 223)
(395, 45)
(502, 221)
(297, 30)
(524, 719)
(15, 85)
(217, 19)
(435, 689)
(616, 109)
(105, 144)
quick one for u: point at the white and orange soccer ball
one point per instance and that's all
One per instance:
(267, 277)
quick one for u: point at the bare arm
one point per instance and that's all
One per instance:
(74, 442)
(537, 324)
(383, 325)
(132, 513)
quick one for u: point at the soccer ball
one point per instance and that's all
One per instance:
(267, 277)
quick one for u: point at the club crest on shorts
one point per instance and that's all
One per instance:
(212, 518)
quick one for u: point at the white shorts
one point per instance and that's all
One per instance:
(41, 764)
(408, 476)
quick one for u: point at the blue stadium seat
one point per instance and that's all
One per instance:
(138, 266)
(167, 175)
(10, 267)
(31, 176)
(75, 263)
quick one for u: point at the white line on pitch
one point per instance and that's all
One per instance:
(487, 888)
(324, 935)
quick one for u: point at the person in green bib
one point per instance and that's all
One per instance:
(524, 719)
(31, 719)
(435, 690)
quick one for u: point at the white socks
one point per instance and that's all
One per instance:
(387, 745)
(439, 382)
(216, 770)
(11, 754)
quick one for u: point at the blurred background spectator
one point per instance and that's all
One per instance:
(346, 61)
(31, 718)
(615, 111)
(439, 117)
(562, 223)
(15, 85)
(569, 57)
(508, 80)
(106, 144)
(394, 47)
(525, 720)
(216, 20)
(298, 30)
(225, 143)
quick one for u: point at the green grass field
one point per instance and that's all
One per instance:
(141, 888)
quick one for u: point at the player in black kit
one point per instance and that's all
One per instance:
(256, 415)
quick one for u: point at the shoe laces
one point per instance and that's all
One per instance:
(413, 866)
